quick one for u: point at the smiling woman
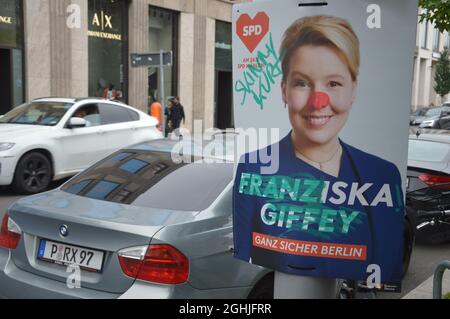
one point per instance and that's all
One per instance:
(320, 69)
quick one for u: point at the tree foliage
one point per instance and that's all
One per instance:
(442, 76)
(437, 12)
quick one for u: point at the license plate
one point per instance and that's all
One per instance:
(62, 254)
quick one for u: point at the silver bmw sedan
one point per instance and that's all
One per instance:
(137, 224)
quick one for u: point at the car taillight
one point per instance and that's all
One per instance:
(156, 263)
(10, 233)
(439, 181)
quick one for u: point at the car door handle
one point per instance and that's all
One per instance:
(101, 132)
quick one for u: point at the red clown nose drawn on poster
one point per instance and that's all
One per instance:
(318, 100)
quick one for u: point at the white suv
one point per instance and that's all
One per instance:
(52, 138)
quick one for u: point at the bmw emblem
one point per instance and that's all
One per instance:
(64, 230)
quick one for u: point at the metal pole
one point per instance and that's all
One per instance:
(437, 279)
(288, 286)
(163, 99)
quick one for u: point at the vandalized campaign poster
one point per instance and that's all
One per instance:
(333, 81)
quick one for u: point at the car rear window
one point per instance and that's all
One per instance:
(134, 115)
(152, 179)
(427, 151)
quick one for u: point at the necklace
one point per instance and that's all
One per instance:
(315, 163)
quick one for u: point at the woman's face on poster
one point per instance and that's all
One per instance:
(319, 91)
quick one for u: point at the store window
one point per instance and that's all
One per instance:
(11, 55)
(107, 35)
(162, 36)
(11, 31)
(223, 114)
(223, 46)
(436, 40)
(423, 34)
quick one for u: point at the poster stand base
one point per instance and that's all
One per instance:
(288, 286)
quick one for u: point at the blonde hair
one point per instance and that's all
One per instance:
(320, 30)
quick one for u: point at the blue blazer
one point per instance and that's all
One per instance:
(379, 228)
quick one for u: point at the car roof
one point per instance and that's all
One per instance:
(222, 144)
(75, 100)
(84, 99)
(441, 136)
(55, 99)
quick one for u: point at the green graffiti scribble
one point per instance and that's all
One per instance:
(268, 68)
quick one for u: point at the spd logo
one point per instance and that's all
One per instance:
(252, 31)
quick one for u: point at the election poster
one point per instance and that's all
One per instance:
(334, 79)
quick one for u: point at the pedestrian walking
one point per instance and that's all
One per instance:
(168, 115)
(177, 114)
(156, 111)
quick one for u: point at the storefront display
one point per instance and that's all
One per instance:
(107, 32)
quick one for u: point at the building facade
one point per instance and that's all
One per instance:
(78, 48)
(429, 45)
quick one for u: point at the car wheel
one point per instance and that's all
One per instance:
(408, 244)
(263, 289)
(33, 174)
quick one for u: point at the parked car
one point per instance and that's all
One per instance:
(418, 116)
(53, 138)
(428, 186)
(142, 226)
(147, 226)
(435, 116)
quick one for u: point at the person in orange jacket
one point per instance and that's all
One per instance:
(156, 111)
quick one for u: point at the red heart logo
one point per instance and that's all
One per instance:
(252, 31)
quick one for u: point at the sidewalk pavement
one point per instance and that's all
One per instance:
(425, 289)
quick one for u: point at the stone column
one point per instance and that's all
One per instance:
(186, 66)
(60, 49)
(80, 54)
(37, 48)
(428, 82)
(56, 56)
(200, 45)
(210, 73)
(416, 81)
(138, 43)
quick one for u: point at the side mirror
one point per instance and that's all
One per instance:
(76, 122)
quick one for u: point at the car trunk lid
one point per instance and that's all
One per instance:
(92, 225)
